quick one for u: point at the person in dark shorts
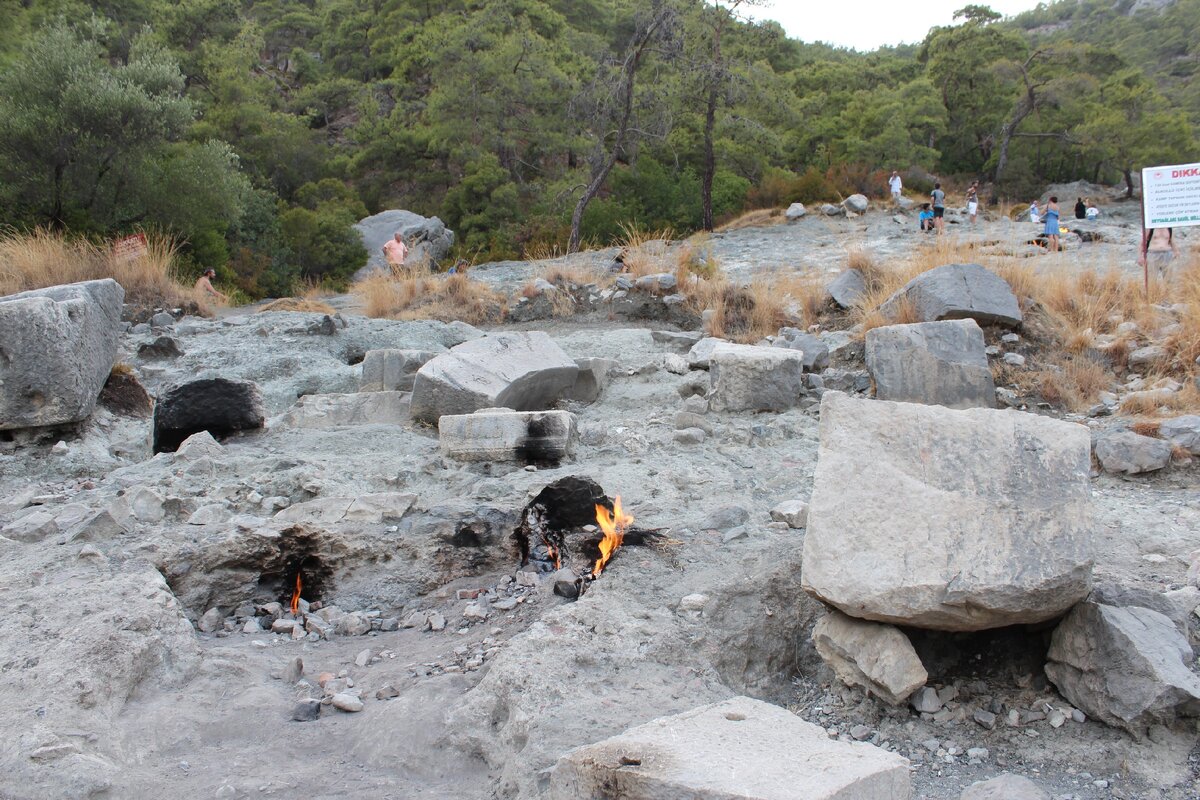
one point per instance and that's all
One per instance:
(938, 201)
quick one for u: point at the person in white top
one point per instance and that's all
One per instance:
(895, 185)
(1035, 216)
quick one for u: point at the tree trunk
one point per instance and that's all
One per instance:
(1007, 130)
(1128, 182)
(710, 160)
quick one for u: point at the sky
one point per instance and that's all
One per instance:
(868, 24)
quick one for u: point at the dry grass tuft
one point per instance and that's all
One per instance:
(447, 298)
(43, 258)
(1146, 427)
(757, 218)
(298, 304)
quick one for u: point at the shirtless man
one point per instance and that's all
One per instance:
(395, 251)
(204, 284)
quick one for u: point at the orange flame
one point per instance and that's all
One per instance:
(296, 595)
(614, 526)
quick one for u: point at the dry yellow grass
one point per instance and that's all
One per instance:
(305, 304)
(758, 218)
(43, 258)
(447, 298)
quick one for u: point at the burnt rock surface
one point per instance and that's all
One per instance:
(217, 405)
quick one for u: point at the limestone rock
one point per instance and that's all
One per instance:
(733, 750)
(1131, 453)
(57, 346)
(857, 203)
(218, 405)
(521, 371)
(324, 411)
(830, 210)
(533, 437)
(701, 353)
(877, 657)
(951, 520)
(793, 512)
(426, 237)
(795, 211)
(1182, 431)
(816, 352)
(938, 363)
(392, 370)
(1004, 787)
(750, 378)
(1125, 666)
(847, 288)
(593, 378)
(958, 291)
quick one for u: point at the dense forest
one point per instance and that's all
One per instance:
(258, 131)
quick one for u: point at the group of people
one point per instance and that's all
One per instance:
(932, 216)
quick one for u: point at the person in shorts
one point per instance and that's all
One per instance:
(895, 185)
(925, 218)
(937, 199)
(973, 202)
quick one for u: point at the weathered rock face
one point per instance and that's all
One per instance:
(816, 352)
(950, 520)
(1125, 666)
(958, 291)
(739, 748)
(796, 211)
(57, 346)
(701, 353)
(323, 411)
(1131, 453)
(392, 370)
(593, 378)
(869, 654)
(217, 405)
(521, 371)
(1183, 431)
(847, 288)
(426, 237)
(750, 378)
(531, 437)
(937, 363)
(1004, 787)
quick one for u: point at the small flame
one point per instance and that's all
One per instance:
(296, 595)
(614, 526)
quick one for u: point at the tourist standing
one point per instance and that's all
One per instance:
(395, 251)
(973, 202)
(1158, 251)
(1052, 224)
(937, 199)
(895, 185)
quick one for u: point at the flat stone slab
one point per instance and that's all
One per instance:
(535, 437)
(323, 411)
(940, 363)
(392, 370)
(738, 749)
(958, 291)
(878, 657)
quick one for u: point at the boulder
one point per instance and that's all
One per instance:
(950, 520)
(1177, 605)
(392, 370)
(750, 378)
(218, 405)
(324, 411)
(847, 288)
(739, 749)
(1004, 787)
(958, 291)
(878, 657)
(426, 237)
(795, 211)
(659, 283)
(1183, 432)
(1131, 453)
(937, 363)
(830, 210)
(857, 203)
(1128, 667)
(521, 371)
(530, 437)
(594, 374)
(816, 352)
(793, 512)
(700, 354)
(57, 346)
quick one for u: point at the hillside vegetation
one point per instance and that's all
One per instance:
(256, 133)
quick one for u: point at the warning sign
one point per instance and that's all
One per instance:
(131, 248)
(1171, 196)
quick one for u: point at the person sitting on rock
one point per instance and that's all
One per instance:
(925, 218)
(1092, 211)
(1080, 208)
(204, 285)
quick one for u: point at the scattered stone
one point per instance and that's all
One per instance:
(1131, 453)
(476, 611)
(162, 347)
(724, 518)
(209, 515)
(1004, 787)
(437, 622)
(540, 437)
(958, 291)
(59, 347)
(522, 371)
(1183, 432)
(363, 658)
(306, 710)
(815, 351)
(325, 411)
(939, 363)
(878, 657)
(700, 356)
(679, 341)
(345, 701)
(925, 700)
(1014, 359)
(734, 750)
(690, 436)
(985, 719)
(1128, 667)
(506, 604)
(1148, 356)
(392, 370)
(657, 283)
(33, 527)
(210, 621)
(675, 364)
(693, 602)
(795, 211)
(387, 692)
(352, 625)
(750, 378)
(793, 512)
(952, 520)
(857, 203)
(283, 626)
(1010, 338)
(847, 288)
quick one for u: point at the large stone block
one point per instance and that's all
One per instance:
(750, 378)
(816, 352)
(950, 520)
(938, 363)
(958, 291)
(878, 657)
(521, 371)
(532, 437)
(847, 288)
(57, 346)
(1126, 666)
(1131, 453)
(218, 405)
(594, 374)
(1183, 431)
(426, 237)
(392, 370)
(739, 749)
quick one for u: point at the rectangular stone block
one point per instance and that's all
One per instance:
(392, 370)
(939, 363)
(532, 437)
(749, 378)
(739, 749)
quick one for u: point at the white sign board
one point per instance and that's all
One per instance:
(1171, 196)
